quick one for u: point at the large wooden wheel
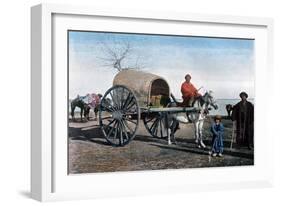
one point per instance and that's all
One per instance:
(119, 115)
(156, 124)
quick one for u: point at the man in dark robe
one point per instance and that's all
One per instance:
(243, 114)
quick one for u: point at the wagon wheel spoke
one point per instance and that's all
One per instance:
(126, 124)
(115, 107)
(130, 120)
(115, 98)
(112, 129)
(119, 94)
(125, 102)
(106, 105)
(128, 102)
(111, 122)
(116, 130)
(107, 108)
(121, 133)
(124, 129)
(155, 127)
(106, 117)
(130, 113)
(150, 120)
(122, 98)
(132, 103)
(161, 128)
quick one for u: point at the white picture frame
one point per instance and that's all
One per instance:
(49, 179)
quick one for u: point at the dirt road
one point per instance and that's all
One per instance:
(89, 151)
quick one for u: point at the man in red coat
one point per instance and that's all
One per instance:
(189, 92)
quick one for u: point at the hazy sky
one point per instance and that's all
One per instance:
(225, 66)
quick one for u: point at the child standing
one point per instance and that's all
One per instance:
(217, 142)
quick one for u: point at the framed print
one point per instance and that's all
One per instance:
(134, 102)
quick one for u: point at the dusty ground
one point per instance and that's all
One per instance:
(89, 151)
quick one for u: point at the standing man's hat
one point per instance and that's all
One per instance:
(243, 94)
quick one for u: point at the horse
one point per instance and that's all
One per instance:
(86, 103)
(84, 107)
(202, 106)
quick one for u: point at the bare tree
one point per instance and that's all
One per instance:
(120, 55)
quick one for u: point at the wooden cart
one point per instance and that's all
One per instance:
(136, 96)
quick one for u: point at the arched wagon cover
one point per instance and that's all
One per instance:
(144, 85)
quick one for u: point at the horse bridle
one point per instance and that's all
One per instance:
(208, 99)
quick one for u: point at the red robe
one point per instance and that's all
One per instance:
(188, 90)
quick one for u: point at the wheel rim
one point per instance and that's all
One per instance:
(119, 115)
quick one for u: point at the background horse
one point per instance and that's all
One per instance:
(202, 106)
(78, 102)
(86, 103)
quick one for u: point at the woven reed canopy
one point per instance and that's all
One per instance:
(144, 85)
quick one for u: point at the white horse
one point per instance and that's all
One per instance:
(202, 106)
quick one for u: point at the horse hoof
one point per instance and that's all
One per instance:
(203, 145)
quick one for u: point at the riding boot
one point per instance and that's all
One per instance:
(190, 102)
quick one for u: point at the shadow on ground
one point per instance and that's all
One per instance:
(89, 134)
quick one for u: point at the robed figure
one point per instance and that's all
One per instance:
(243, 115)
